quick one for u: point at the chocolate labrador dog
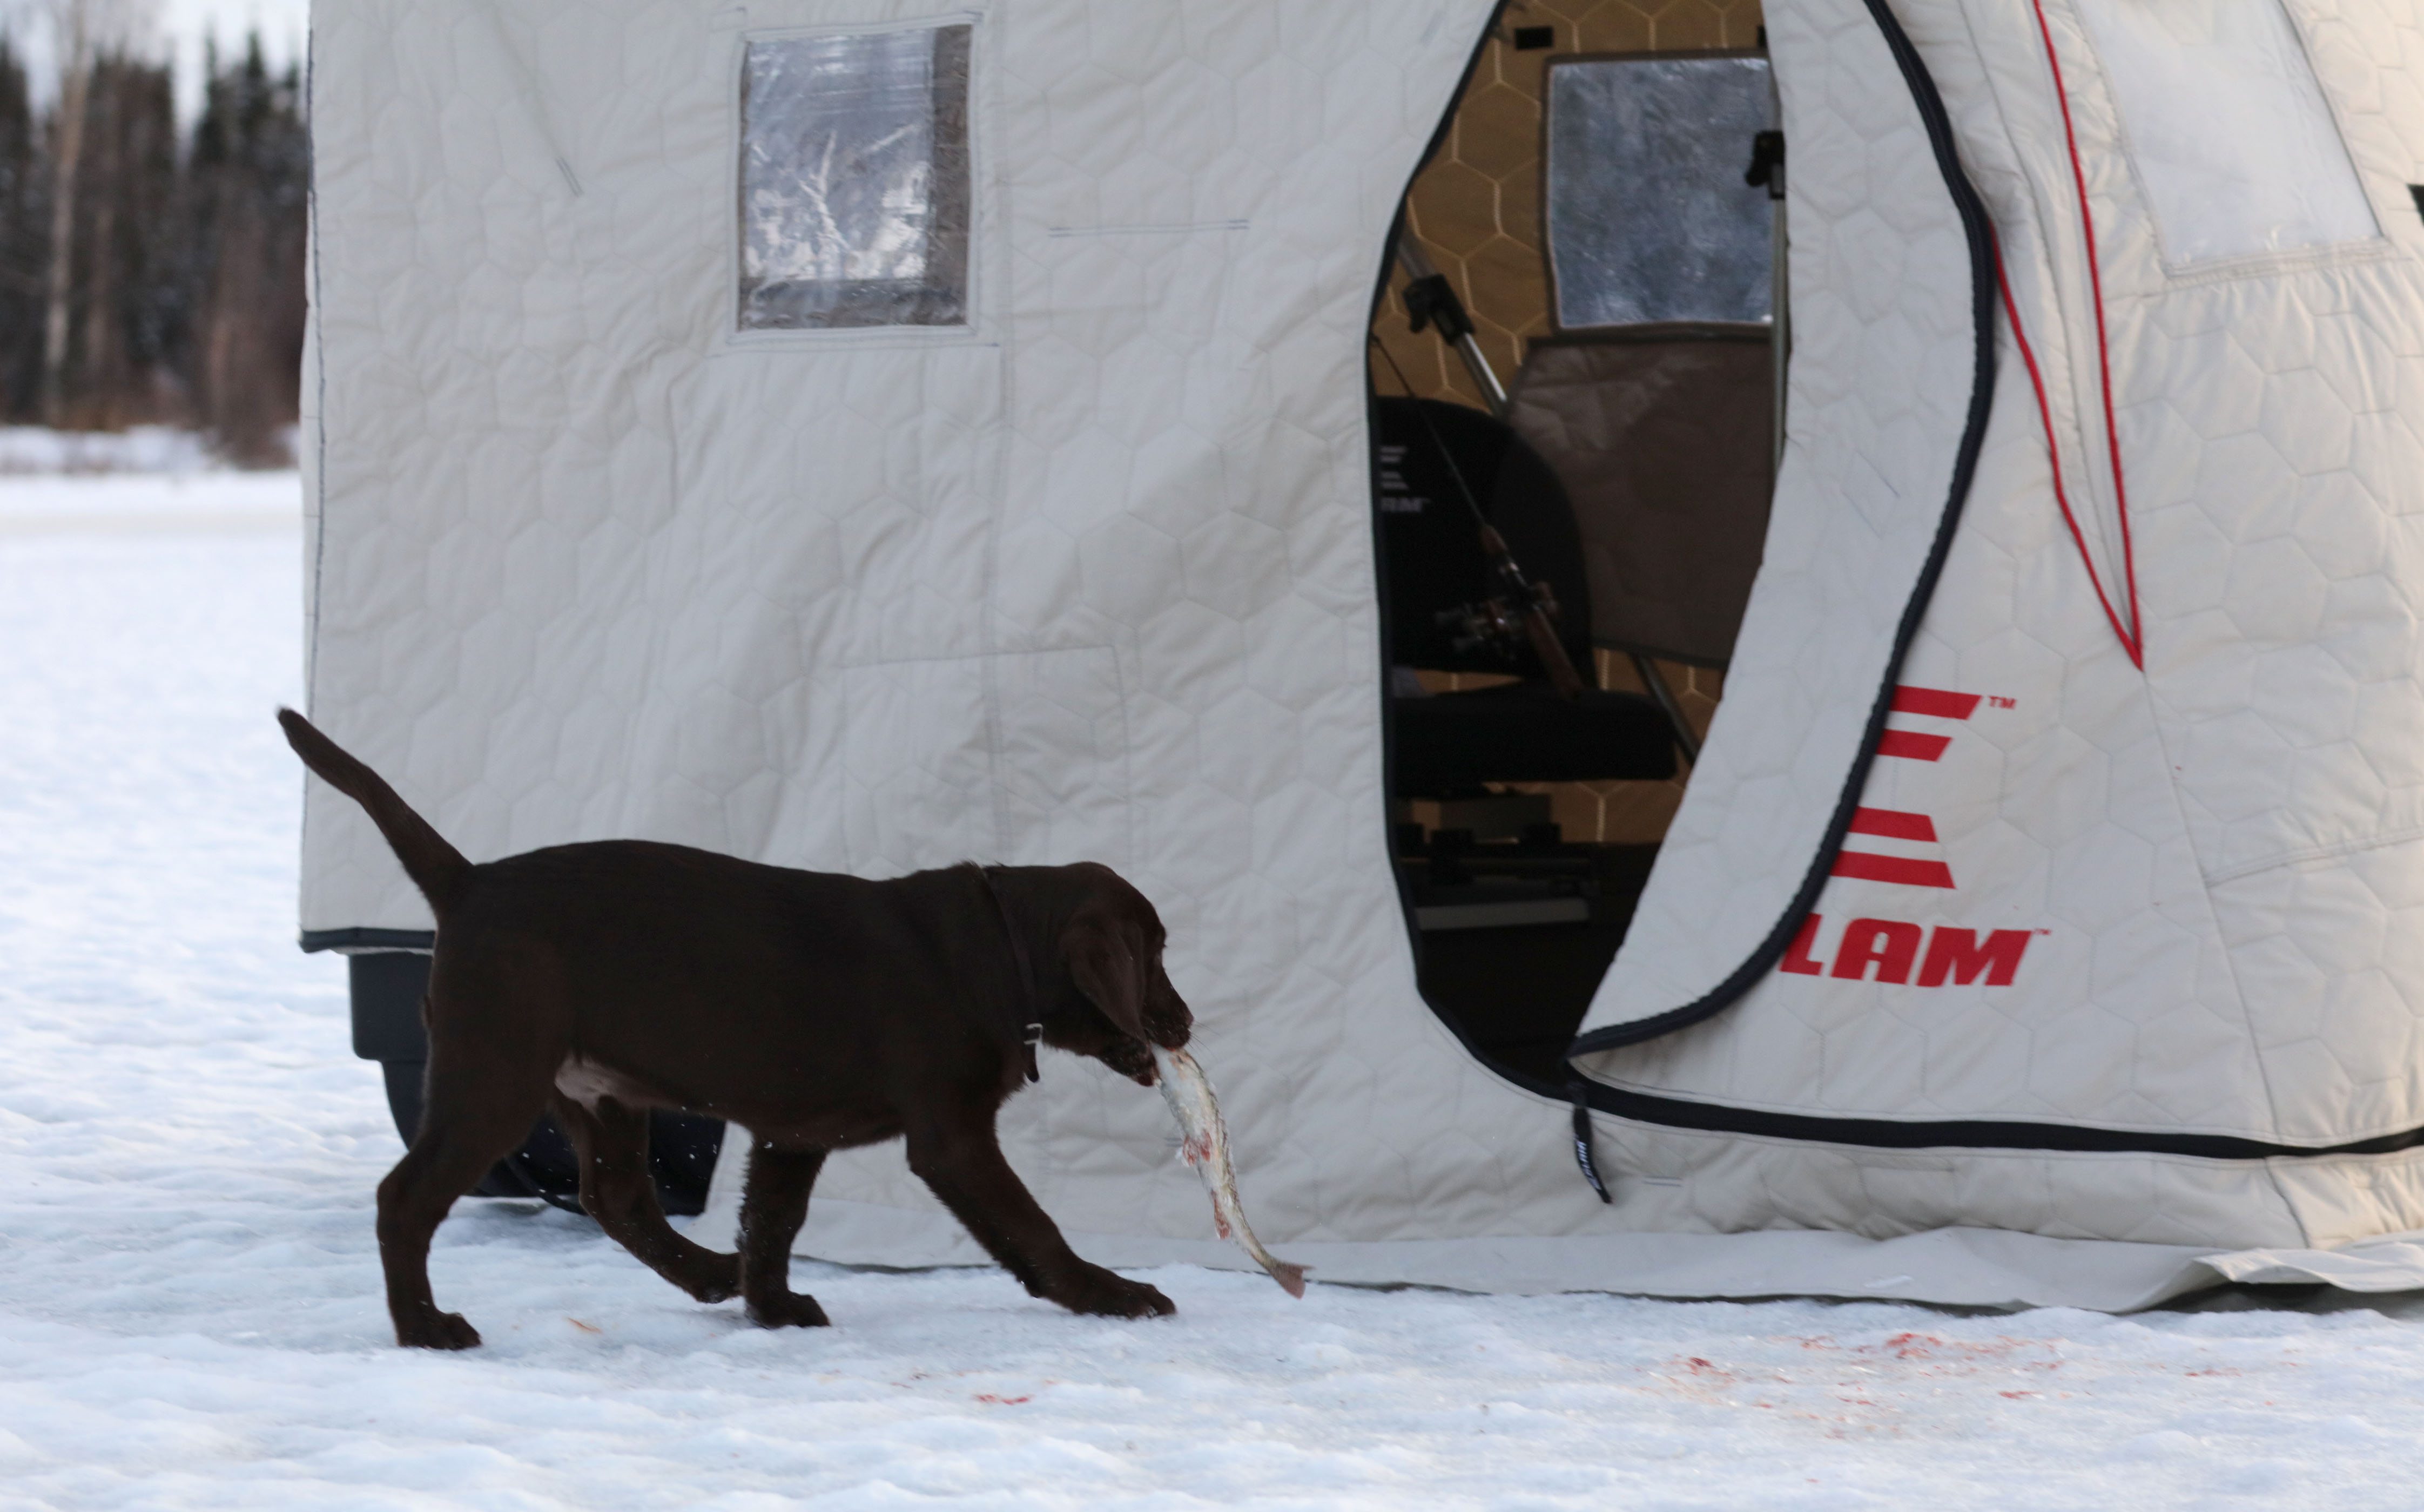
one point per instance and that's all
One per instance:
(819, 1011)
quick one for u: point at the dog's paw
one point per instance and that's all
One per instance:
(791, 1309)
(1103, 1295)
(717, 1282)
(433, 1330)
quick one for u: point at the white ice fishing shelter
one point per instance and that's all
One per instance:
(861, 436)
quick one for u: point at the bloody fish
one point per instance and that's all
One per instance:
(1205, 1145)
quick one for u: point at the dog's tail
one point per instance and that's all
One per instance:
(435, 867)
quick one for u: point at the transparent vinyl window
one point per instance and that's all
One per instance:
(854, 190)
(1648, 218)
(2232, 138)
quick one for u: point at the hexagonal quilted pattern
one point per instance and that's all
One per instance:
(2207, 866)
(1093, 577)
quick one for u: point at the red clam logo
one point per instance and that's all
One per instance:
(1891, 950)
(1891, 947)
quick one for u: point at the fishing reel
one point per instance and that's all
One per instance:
(1521, 613)
(1498, 623)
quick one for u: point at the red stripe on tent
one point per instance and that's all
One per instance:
(1862, 867)
(1936, 702)
(1893, 824)
(2133, 637)
(1912, 744)
(2062, 495)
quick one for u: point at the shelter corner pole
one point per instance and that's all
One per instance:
(1437, 304)
(1655, 682)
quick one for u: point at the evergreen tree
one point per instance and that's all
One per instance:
(119, 369)
(183, 296)
(249, 184)
(25, 214)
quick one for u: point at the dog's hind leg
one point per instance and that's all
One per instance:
(459, 1139)
(773, 1203)
(612, 1142)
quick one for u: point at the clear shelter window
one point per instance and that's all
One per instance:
(2232, 138)
(854, 180)
(1649, 216)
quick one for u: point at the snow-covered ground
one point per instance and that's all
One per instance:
(189, 1296)
(141, 449)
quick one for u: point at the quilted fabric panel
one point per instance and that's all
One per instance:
(1094, 577)
(2270, 464)
(1684, 1182)
(1884, 346)
(1094, 581)
(2108, 825)
(2035, 800)
(1679, 1181)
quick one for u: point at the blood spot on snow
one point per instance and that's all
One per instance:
(1002, 1400)
(586, 1327)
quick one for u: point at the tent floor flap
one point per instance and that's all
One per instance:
(1966, 1267)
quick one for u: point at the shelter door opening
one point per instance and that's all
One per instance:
(1621, 465)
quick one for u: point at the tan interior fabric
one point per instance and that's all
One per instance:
(1661, 436)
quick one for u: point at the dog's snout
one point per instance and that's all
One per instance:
(1167, 1021)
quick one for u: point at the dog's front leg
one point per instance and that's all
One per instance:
(955, 1153)
(773, 1203)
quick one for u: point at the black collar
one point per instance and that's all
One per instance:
(1032, 1029)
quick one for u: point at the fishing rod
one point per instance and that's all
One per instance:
(1522, 612)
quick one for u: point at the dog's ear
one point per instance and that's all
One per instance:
(1106, 957)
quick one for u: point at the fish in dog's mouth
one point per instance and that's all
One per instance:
(1205, 1145)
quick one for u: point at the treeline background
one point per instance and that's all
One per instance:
(152, 272)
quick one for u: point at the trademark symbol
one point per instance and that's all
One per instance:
(1999, 701)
